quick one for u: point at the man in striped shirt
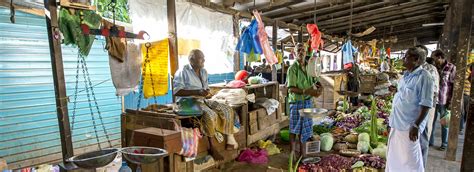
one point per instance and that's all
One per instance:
(447, 72)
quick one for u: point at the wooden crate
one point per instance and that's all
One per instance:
(156, 137)
(332, 83)
(263, 119)
(253, 124)
(367, 83)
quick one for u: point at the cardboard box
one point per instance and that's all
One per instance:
(156, 137)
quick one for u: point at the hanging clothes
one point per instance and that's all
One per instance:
(190, 139)
(279, 56)
(347, 52)
(382, 53)
(157, 83)
(70, 27)
(249, 40)
(387, 51)
(316, 36)
(262, 35)
(373, 47)
(114, 45)
(126, 73)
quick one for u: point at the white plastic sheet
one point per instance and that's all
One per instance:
(214, 32)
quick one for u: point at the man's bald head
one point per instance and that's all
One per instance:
(196, 58)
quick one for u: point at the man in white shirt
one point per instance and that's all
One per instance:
(425, 135)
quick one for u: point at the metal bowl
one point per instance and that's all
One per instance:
(311, 160)
(313, 112)
(143, 155)
(95, 159)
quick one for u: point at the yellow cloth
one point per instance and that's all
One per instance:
(279, 57)
(186, 45)
(158, 66)
(467, 82)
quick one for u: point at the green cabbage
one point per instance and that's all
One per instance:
(363, 146)
(327, 142)
(364, 137)
(380, 151)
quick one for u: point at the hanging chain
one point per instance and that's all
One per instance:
(89, 101)
(148, 45)
(146, 65)
(75, 94)
(95, 102)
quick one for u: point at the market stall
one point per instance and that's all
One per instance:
(350, 113)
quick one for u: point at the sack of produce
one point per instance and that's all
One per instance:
(340, 146)
(351, 138)
(352, 145)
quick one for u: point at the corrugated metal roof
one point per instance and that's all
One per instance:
(28, 123)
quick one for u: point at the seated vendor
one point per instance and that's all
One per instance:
(302, 88)
(218, 119)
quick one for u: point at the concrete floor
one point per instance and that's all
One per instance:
(436, 162)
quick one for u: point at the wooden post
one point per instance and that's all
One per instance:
(274, 44)
(283, 69)
(172, 36)
(58, 78)
(468, 150)
(300, 35)
(461, 32)
(236, 30)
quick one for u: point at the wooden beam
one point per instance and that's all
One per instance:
(388, 16)
(345, 14)
(365, 11)
(274, 44)
(395, 20)
(283, 5)
(58, 78)
(398, 30)
(461, 32)
(326, 10)
(277, 15)
(30, 10)
(172, 36)
(236, 30)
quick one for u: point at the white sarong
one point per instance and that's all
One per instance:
(431, 114)
(403, 154)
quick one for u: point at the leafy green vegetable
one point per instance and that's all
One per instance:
(364, 137)
(363, 146)
(327, 141)
(121, 9)
(373, 126)
(380, 151)
(319, 129)
(357, 164)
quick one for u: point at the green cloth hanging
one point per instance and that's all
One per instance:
(253, 57)
(70, 27)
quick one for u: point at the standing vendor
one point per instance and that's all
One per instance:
(302, 88)
(217, 121)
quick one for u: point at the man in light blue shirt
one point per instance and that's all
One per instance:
(192, 79)
(217, 119)
(408, 118)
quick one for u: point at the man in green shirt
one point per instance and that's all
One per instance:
(301, 88)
